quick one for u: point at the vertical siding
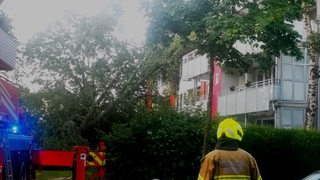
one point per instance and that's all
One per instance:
(8, 49)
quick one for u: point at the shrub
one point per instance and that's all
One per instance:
(283, 153)
(162, 144)
(168, 145)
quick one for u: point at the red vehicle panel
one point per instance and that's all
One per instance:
(52, 158)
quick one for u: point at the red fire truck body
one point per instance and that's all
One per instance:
(15, 148)
(18, 159)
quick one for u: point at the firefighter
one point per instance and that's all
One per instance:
(227, 160)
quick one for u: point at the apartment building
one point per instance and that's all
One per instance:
(276, 97)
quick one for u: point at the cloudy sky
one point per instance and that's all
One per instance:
(32, 16)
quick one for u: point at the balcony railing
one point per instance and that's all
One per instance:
(8, 49)
(195, 67)
(253, 97)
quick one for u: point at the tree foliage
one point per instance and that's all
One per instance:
(5, 24)
(218, 28)
(53, 118)
(88, 78)
(167, 58)
(214, 27)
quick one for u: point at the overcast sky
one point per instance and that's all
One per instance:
(32, 16)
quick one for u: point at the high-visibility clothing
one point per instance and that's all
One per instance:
(228, 165)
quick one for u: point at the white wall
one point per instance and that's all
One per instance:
(228, 80)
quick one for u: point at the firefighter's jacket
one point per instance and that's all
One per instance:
(229, 162)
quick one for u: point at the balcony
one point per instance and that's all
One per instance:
(8, 49)
(194, 66)
(252, 98)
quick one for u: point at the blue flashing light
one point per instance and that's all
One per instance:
(14, 129)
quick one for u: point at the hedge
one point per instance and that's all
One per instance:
(283, 153)
(161, 144)
(168, 145)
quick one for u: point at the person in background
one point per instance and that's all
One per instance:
(227, 160)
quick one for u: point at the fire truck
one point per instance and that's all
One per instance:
(18, 159)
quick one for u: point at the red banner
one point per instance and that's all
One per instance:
(217, 77)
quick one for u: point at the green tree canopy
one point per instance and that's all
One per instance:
(214, 27)
(89, 79)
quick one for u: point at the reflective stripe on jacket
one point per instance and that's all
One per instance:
(225, 164)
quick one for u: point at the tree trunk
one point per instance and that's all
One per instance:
(311, 106)
(205, 149)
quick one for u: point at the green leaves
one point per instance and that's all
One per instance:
(88, 79)
(161, 144)
(313, 42)
(294, 150)
(218, 26)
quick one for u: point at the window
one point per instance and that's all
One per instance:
(217, 79)
(287, 59)
(299, 91)
(299, 74)
(292, 117)
(286, 90)
(287, 71)
(286, 117)
(297, 117)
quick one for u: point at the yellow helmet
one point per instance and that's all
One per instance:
(230, 128)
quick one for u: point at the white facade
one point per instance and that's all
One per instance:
(275, 98)
(194, 76)
(243, 99)
(194, 66)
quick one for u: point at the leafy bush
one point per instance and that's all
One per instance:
(162, 144)
(168, 145)
(283, 153)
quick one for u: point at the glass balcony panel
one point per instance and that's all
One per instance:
(222, 105)
(255, 98)
(194, 67)
(251, 100)
(241, 103)
(231, 103)
(263, 98)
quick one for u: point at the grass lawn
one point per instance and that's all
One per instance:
(50, 174)
(61, 174)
